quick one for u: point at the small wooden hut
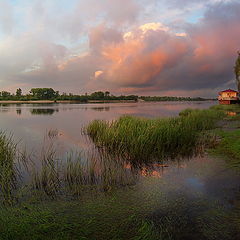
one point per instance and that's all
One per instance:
(228, 96)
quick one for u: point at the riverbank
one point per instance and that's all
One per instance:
(65, 101)
(228, 132)
(92, 101)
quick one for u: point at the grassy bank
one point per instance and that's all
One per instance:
(229, 135)
(139, 139)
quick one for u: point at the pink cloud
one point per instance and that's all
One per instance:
(150, 58)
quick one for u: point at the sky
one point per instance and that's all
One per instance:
(144, 47)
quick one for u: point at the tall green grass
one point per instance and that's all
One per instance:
(8, 168)
(46, 176)
(139, 139)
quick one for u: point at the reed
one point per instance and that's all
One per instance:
(100, 171)
(47, 176)
(8, 169)
(78, 172)
(141, 140)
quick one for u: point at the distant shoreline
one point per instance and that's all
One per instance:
(66, 101)
(90, 101)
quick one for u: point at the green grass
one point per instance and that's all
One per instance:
(97, 217)
(148, 214)
(229, 147)
(229, 135)
(139, 139)
(8, 169)
(231, 107)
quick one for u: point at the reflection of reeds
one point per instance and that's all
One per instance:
(46, 178)
(141, 140)
(79, 172)
(76, 174)
(98, 171)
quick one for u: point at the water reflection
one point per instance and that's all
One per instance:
(231, 113)
(100, 109)
(19, 111)
(44, 111)
(4, 110)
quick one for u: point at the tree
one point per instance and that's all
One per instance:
(107, 93)
(5, 94)
(19, 92)
(237, 71)
(97, 95)
(43, 93)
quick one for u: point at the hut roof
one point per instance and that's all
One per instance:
(229, 90)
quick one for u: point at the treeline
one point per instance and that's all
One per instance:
(50, 94)
(166, 98)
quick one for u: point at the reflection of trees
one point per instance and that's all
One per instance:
(100, 109)
(3, 108)
(43, 111)
(19, 111)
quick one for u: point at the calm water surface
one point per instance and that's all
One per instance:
(29, 122)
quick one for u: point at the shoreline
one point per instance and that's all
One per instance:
(66, 101)
(80, 102)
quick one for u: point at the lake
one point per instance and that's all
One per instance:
(201, 187)
(30, 122)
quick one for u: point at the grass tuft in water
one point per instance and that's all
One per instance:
(139, 139)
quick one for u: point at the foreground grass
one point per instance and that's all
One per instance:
(129, 214)
(97, 217)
